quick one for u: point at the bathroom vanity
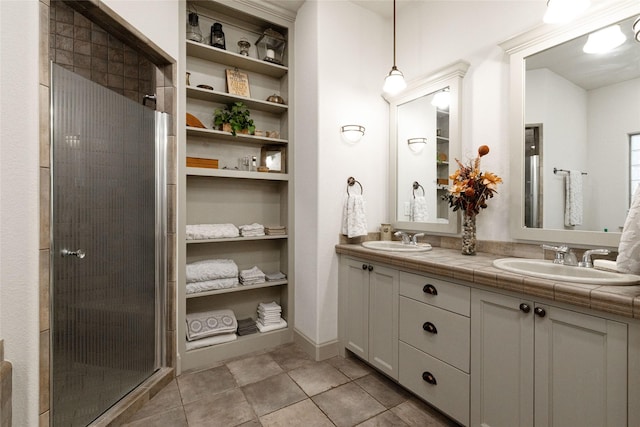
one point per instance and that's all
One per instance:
(489, 347)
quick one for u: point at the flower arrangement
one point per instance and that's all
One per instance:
(471, 187)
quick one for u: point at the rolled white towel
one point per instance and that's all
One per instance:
(211, 269)
(211, 231)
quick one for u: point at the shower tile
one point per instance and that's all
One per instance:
(169, 105)
(43, 419)
(131, 71)
(274, 393)
(229, 408)
(200, 384)
(81, 61)
(115, 81)
(81, 21)
(318, 377)
(82, 47)
(171, 301)
(171, 247)
(168, 398)
(130, 56)
(44, 372)
(44, 289)
(64, 43)
(82, 35)
(115, 43)
(171, 208)
(63, 57)
(131, 84)
(98, 36)
(44, 125)
(302, 413)
(253, 369)
(63, 13)
(63, 29)
(44, 41)
(348, 405)
(84, 72)
(44, 208)
(116, 68)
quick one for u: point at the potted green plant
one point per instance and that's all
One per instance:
(234, 118)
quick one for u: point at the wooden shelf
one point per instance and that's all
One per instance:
(226, 98)
(227, 136)
(240, 288)
(236, 239)
(229, 173)
(213, 54)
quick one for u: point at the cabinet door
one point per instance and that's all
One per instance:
(356, 307)
(580, 370)
(383, 320)
(501, 360)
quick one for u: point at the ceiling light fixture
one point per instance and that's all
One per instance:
(442, 99)
(604, 40)
(394, 82)
(563, 11)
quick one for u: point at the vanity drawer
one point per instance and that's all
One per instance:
(439, 332)
(447, 295)
(450, 393)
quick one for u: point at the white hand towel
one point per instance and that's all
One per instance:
(266, 328)
(354, 219)
(419, 209)
(209, 323)
(628, 260)
(211, 269)
(573, 198)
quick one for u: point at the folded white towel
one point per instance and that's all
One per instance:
(211, 269)
(269, 306)
(253, 272)
(419, 209)
(266, 328)
(211, 285)
(354, 219)
(275, 276)
(209, 323)
(211, 231)
(206, 342)
(628, 260)
(573, 198)
(254, 226)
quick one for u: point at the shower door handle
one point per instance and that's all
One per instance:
(78, 253)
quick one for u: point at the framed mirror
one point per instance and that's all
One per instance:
(424, 140)
(574, 119)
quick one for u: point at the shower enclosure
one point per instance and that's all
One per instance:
(107, 246)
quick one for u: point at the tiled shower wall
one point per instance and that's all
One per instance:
(79, 44)
(83, 47)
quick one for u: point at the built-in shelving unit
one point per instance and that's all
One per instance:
(442, 166)
(234, 193)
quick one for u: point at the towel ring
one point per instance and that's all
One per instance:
(350, 182)
(415, 186)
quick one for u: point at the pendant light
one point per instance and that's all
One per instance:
(394, 82)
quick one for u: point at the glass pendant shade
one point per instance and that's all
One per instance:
(604, 40)
(394, 82)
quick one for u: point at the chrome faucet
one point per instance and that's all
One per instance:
(406, 239)
(564, 255)
(586, 257)
(414, 238)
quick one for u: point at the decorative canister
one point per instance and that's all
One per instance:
(385, 231)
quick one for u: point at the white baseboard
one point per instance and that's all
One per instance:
(317, 351)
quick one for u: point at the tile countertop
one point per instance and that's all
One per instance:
(478, 269)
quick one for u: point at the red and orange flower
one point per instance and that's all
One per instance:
(471, 187)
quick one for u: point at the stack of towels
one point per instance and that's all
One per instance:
(211, 274)
(251, 276)
(269, 317)
(210, 327)
(211, 231)
(252, 230)
(275, 230)
(272, 277)
(247, 326)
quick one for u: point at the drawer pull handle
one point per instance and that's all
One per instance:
(430, 327)
(430, 289)
(370, 267)
(525, 308)
(540, 311)
(428, 377)
(364, 266)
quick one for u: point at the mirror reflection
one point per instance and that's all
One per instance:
(423, 154)
(582, 134)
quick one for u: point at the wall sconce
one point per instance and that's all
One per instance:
(604, 40)
(352, 133)
(416, 144)
(636, 29)
(563, 11)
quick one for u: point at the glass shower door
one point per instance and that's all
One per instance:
(103, 248)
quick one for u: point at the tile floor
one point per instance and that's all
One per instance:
(285, 387)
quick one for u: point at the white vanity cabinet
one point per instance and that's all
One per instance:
(538, 365)
(369, 308)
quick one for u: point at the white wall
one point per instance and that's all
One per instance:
(19, 192)
(19, 179)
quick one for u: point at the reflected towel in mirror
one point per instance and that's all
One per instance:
(419, 209)
(354, 219)
(573, 198)
(628, 260)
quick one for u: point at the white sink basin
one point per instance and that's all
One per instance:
(548, 270)
(383, 245)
